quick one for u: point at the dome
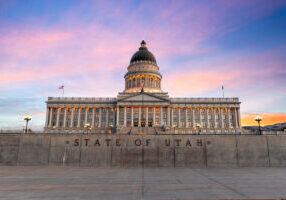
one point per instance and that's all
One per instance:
(143, 54)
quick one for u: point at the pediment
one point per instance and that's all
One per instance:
(143, 97)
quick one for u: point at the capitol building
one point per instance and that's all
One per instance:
(142, 108)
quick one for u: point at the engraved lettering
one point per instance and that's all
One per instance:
(86, 141)
(199, 142)
(178, 142)
(188, 143)
(118, 142)
(147, 142)
(137, 142)
(96, 143)
(107, 142)
(76, 142)
(167, 142)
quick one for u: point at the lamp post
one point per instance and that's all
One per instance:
(258, 119)
(87, 126)
(27, 118)
(198, 126)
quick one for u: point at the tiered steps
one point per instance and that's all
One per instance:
(143, 131)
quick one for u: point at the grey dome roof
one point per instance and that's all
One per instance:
(143, 54)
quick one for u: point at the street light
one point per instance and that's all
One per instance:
(258, 119)
(198, 126)
(27, 118)
(87, 126)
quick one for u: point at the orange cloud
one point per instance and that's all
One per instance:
(268, 119)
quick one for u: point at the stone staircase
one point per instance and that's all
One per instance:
(125, 130)
(143, 131)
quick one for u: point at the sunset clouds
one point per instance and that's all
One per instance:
(87, 45)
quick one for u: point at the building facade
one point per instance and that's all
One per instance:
(147, 111)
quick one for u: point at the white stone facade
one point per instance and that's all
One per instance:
(150, 108)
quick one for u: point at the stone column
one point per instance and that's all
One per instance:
(139, 116)
(214, 120)
(146, 113)
(65, 117)
(132, 117)
(51, 116)
(47, 117)
(161, 115)
(125, 120)
(235, 118)
(168, 116)
(85, 119)
(114, 117)
(220, 118)
(207, 118)
(93, 116)
(154, 116)
(78, 119)
(58, 117)
(99, 116)
(117, 118)
(200, 117)
(172, 117)
(193, 118)
(238, 117)
(186, 117)
(106, 117)
(228, 117)
(179, 117)
(72, 116)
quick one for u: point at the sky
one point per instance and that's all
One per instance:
(87, 45)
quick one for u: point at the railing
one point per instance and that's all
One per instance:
(100, 99)
(214, 100)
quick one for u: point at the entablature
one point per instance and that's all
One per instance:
(234, 100)
(81, 100)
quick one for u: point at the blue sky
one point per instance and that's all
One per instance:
(87, 46)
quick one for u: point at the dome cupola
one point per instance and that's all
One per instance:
(143, 70)
(143, 54)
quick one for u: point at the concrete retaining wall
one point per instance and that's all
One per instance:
(144, 150)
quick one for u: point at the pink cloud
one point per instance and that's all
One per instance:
(36, 53)
(28, 43)
(186, 83)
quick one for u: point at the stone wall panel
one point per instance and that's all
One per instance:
(9, 148)
(166, 152)
(189, 151)
(252, 151)
(96, 150)
(34, 150)
(65, 150)
(277, 150)
(221, 151)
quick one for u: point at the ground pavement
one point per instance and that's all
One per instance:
(71, 183)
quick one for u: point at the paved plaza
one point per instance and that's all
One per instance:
(141, 183)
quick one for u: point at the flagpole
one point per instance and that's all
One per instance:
(222, 88)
